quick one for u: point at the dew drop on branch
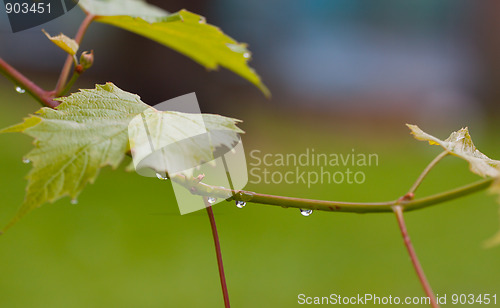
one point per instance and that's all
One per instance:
(20, 90)
(211, 200)
(306, 212)
(161, 177)
(240, 204)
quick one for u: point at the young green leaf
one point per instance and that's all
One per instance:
(65, 43)
(89, 130)
(185, 32)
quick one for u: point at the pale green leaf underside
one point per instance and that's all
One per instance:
(183, 31)
(460, 144)
(87, 131)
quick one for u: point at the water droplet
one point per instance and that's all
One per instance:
(161, 177)
(246, 55)
(211, 200)
(240, 204)
(20, 90)
(202, 20)
(26, 161)
(74, 201)
(306, 212)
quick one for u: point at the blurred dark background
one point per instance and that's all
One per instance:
(424, 59)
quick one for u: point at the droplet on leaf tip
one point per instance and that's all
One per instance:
(240, 204)
(20, 90)
(161, 177)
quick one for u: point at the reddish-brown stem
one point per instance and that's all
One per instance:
(398, 210)
(44, 97)
(218, 252)
(63, 77)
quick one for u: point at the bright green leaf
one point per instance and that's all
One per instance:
(89, 130)
(65, 43)
(185, 32)
(133, 8)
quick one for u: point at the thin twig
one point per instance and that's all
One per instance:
(218, 252)
(424, 173)
(202, 189)
(69, 60)
(398, 210)
(447, 195)
(44, 97)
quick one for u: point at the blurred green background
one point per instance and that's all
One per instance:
(125, 245)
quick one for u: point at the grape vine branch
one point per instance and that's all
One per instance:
(398, 206)
(406, 203)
